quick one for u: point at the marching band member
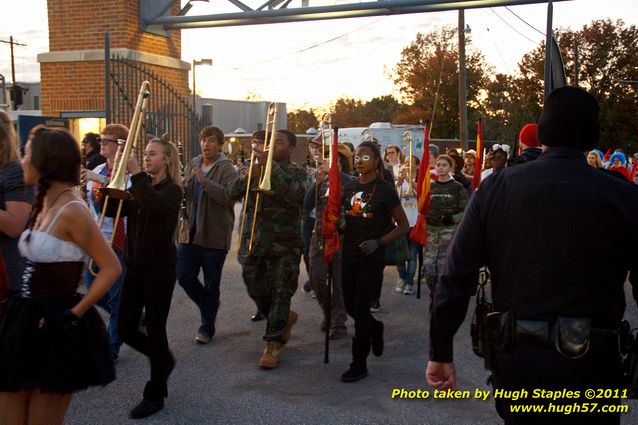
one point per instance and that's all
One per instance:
(271, 268)
(370, 204)
(211, 217)
(335, 324)
(151, 265)
(94, 179)
(52, 341)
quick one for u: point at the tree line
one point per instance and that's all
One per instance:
(426, 77)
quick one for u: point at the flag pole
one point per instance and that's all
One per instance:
(326, 354)
(334, 158)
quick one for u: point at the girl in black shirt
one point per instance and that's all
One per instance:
(151, 265)
(370, 204)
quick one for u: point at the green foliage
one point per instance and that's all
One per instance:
(301, 120)
(428, 77)
(347, 112)
(608, 54)
(428, 70)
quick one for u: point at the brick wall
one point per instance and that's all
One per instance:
(79, 86)
(81, 25)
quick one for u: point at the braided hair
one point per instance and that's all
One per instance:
(380, 168)
(55, 155)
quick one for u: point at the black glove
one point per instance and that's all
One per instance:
(447, 220)
(371, 245)
(65, 321)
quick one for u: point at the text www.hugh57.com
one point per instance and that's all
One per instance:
(568, 409)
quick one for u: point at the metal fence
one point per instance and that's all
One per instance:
(167, 111)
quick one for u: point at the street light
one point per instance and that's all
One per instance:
(195, 63)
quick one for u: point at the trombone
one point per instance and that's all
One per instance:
(407, 146)
(264, 178)
(326, 124)
(117, 187)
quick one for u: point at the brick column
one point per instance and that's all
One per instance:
(72, 72)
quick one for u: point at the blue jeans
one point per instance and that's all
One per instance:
(190, 259)
(110, 302)
(408, 270)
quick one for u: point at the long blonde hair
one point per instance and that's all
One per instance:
(172, 159)
(8, 146)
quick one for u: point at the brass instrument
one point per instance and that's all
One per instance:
(407, 146)
(117, 187)
(264, 187)
(269, 145)
(326, 124)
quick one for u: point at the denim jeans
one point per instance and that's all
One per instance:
(110, 302)
(190, 259)
(407, 270)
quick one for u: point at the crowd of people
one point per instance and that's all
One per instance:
(53, 342)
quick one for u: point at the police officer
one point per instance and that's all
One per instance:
(557, 287)
(271, 268)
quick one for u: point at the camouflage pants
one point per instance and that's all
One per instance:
(271, 282)
(435, 252)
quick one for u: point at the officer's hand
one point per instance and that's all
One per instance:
(447, 220)
(441, 376)
(369, 246)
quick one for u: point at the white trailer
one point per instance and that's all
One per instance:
(386, 134)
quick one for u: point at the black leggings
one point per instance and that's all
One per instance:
(152, 290)
(359, 279)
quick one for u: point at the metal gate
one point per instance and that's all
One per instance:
(167, 111)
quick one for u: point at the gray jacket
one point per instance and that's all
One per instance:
(215, 214)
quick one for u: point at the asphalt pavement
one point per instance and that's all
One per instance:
(220, 383)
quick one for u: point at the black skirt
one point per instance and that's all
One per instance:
(45, 357)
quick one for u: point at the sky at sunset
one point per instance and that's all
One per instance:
(296, 63)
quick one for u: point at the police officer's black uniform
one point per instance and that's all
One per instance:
(538, 228)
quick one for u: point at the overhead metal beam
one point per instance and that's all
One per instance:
(350, 10)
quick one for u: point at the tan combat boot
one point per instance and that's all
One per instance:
(270, 357)
(292, 319)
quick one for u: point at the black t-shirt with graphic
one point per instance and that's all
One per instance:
(368, 212)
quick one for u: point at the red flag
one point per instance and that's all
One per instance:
(331, 213)
(418, 233)
(634, 169)
(607, 155)
(478, 162)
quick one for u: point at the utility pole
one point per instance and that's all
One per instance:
(462, 83)
(13, 68)
(576, 64)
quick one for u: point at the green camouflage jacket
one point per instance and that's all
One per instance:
(278, 224)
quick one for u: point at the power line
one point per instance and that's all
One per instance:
(508, 71)
(526, 23)
(237, 68)
(508, 24)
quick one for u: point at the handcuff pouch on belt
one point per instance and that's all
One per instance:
(569, 335)
(479, 326)
(573, 336)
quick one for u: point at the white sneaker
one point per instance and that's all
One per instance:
(400, 286)
(408, 290)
